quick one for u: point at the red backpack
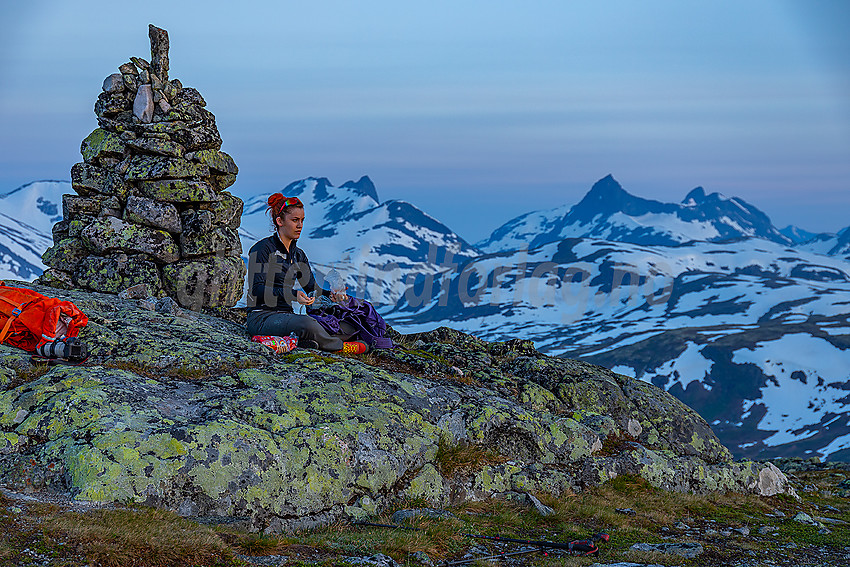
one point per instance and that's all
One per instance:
(28, 319)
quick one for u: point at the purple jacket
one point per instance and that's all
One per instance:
(370, 326)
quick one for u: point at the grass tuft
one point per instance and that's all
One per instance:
(464, 457)
(149, 537)
(33, 372)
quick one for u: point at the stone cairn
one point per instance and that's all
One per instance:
(151, 206)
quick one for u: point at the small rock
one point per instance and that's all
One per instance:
(140, 63)
(167, 306)
(114, 83)
(626, 511)
(832, 521)
(131, 82)
(20, 416)
(421, 558)
(542, 508)
(681, 526)
(686, 550)
(128, 69)
(143, 104)
(744, 531)
(401, 516)
(377, 560)
(138, 291)
(764, 530)
(148, 303)
(16, 510)
(804, 518)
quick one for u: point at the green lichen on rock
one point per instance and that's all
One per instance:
(146, 167)
(222, 239)
(88, 178)
(218, 161)
(116, 272)
(157, 146)
(178, 191)
(183, 411)
(109, 234)
(65, 254)
(101, 143)
(214, 281)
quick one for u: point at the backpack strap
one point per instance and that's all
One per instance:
(12, 316)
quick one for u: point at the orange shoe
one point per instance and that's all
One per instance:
(353, 347)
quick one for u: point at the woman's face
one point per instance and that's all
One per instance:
(290, 224)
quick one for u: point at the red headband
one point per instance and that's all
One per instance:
(277, 203)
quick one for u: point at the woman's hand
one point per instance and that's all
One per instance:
(339, 296)
(303, 299)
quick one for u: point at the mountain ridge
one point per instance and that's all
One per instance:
(747, 300)
(609, 212)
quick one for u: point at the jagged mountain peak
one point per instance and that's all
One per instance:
(363, 186)
(609, 212)
(320, 189)
(696, 196)
(317, 186)
(606, 196)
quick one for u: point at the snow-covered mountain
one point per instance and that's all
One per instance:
(27, 216)
(374, 245)
(608, 212)
(752, 334)
(829, 244)
(705, 298)
(798, 235)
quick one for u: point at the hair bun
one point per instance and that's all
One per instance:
(275, 199)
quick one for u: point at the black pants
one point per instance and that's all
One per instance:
(281, 323)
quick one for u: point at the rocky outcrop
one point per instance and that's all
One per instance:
(181, 410)
(151, 204)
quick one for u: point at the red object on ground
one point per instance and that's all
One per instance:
(28, 319)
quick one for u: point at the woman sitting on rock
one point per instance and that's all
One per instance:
(277, 267)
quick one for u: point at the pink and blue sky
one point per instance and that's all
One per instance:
(475, 111)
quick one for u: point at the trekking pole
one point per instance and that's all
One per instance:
(489, 557)
(374, 525)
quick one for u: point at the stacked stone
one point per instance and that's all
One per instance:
(151, 205)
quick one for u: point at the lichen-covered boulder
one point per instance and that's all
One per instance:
(65, 254)
(101, 143)
(108, 234)
(153, 213)
(222, 239)
(116, 272)
(159, 146)
(217, 161)
(182, 411)
(147, 167)
(215, 281)
(87, 178)
(179, 191)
